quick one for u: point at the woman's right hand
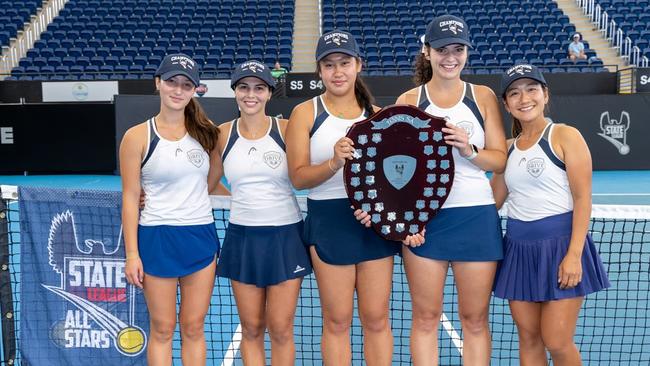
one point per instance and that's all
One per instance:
(134, 271)
(343, 150)
(363, 217)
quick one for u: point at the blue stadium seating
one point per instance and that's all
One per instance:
(633, 17)
(126, 39)
(502, 31)
(13, 16)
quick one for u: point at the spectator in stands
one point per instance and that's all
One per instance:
(466, 232)
(577, 49)
(345, 255)
(263, 254)
(278, 71)
(172, 157)
(550, 261)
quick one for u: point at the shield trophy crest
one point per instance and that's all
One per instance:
(402, 170)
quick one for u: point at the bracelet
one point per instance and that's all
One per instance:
(329, 165)
(132, 255)
(473, 154)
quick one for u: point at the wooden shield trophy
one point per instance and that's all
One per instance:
(402, 169)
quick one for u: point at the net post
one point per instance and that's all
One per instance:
(6, 295)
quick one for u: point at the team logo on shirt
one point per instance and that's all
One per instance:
(195, 156)
(273, 159)
(467, 126)
(615, 131)
(535, 167)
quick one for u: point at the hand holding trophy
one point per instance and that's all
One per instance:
(401, 169)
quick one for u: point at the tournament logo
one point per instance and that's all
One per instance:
(451, 25)
(201, 89)
(615, 131)
(273, 159)
(399, 170)
(519, 69)
(535, 167)
(195, 156)
(336, 38)
(94, 285)
(80, 91)
(253, 66)
(185, 62)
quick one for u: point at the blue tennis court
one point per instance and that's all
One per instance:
(612, 327)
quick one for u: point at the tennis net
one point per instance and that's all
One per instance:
(612, 327)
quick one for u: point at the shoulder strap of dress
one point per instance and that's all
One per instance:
(152, 140)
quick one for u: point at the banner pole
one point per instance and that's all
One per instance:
(6, 295)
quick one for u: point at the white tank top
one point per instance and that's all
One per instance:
(257, 171)
(327, 129)
(470, 186)
(174, 177)
(537, 183)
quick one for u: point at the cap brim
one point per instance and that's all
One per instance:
(270, 84)
(447, 41)
(171, 74)
(504, 89)
(337, 50)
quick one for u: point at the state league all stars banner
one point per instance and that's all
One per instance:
(76, 306)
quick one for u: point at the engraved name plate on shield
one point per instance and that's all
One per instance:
(402, 169)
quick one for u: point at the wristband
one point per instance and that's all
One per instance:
(474, 153)
(329, 165)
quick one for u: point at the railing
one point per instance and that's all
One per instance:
(610, 31)
(26, 38)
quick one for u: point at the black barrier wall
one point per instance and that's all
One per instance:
(40, 138)
(49, 138)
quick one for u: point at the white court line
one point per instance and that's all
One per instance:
(455, 337)
(229, 357)
(233, 347)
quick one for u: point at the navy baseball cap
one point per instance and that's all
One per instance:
(336, 41)
(252, 68)
(445, 30)
(520, 72)
(179, 64)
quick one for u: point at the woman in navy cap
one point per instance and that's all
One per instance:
(173, 159)
(466, 232)
(263, 253)
(345, 255)
(550, 261)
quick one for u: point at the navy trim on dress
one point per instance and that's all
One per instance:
(153, 141)
(231, 139)
(548, 150)
(470, 102)
(275, 133)
(423, 101)
(321, 116)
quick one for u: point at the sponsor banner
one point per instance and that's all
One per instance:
(79, 91)
(214, 89)
(643, 80)
(76, 306)
(615, 127)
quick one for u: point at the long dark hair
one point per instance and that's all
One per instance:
(423, 71)
(199, 126)
(361, 91)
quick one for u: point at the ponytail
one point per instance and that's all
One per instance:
(423, 71)
(364, 98)
(199, 126)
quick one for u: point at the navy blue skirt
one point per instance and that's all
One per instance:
(339, 238)
(263, 255)
(463, 234)
(176, 251)
(534, 251)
